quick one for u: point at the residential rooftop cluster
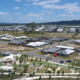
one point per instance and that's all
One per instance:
(34, 56)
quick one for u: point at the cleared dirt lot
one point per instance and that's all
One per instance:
(15, 48)
(73, 45)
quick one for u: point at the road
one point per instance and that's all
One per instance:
(32, 53)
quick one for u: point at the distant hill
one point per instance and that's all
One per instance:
(72, 22)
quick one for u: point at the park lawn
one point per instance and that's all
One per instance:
(41, 71)
(1, 56)
(19, 69)
(9, 78)
(30, 70)
(53, 67)
(65, 70)
(1, 64)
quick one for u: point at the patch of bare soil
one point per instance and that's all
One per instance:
(77, 57)
(73, 45)
(14, 48)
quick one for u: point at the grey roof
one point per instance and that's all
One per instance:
(4, 52)
(65, 52)
(59, 39)
(48, 41)
(51, 50)
(17, 42)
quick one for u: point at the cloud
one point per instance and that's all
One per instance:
(18, 0)
(17, 14)
(27, 4)
(3, 13)
(70, 8)
(31, 0)
(25, 9)
(41, 18)
(48, 11)
(32, 15)
(16, 8)
(46, 2)
(66, 15)
(21, 18)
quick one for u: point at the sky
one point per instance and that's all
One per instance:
(26, 11)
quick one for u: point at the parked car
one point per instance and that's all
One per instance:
(68, 61)
(61, 62)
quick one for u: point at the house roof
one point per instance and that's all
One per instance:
(59, 39)
(51, 50)
(64, 47)
(36, 44)
(17, 42)
(6, 67)
(66, 52)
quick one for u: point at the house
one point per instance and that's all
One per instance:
(76, 41)
(59, 39)
(4, 53)
(7, 38)
(65, 47)
(60, 29)
(37, 44)
(78, 50)
(39, 29)
(37, 39)
(52, 29)
(65, 52)
(50, 50)
(72, 30)
(7, 68)
(18, 42)
(48, 41)
(8, 59)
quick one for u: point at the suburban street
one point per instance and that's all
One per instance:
(32, 53)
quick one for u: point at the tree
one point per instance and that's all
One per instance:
(58, 72)
(9, 74)
(57, 65)
(40, 64)
(40, 59)
(27, 57)
(25, 68)
(15, 67)
(14, 63)
(34, 64)
(30, 75)
(62, 73)
(50, 77)
(33, 73)
(20, 61)
(40, 77)
(2, 72)
(36, 59)
(47, 59)
(21, 73)
(12, 77)
(54, 70)
(32, 59)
